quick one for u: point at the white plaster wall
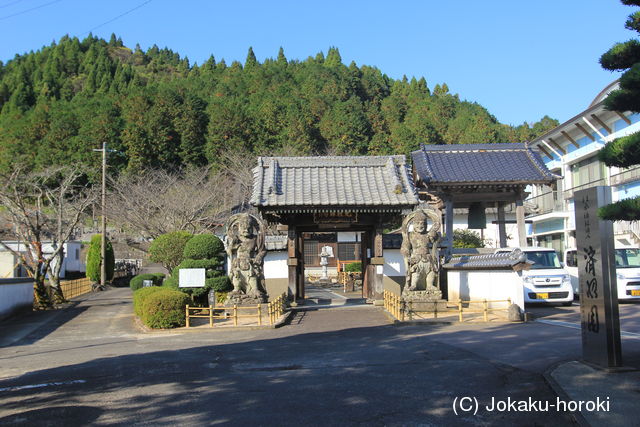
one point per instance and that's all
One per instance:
(71, 263)
(275, 265)
(15, 296)
(393, 263)
(486, 284)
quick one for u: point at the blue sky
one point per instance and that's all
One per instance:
(519, 59)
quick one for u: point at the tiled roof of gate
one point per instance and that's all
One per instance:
(490, 163)
(333, 181)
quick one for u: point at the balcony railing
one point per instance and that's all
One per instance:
(624, 227)
(545, 203)
(568, 194)
(626, 176)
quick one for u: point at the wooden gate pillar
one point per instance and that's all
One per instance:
(377, 264)
(292, 261)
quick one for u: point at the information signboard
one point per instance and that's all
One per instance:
(191, 278)
(597, 276)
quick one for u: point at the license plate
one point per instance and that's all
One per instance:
(635, 292)
(542, 296)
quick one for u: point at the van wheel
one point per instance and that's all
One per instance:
(567, 304)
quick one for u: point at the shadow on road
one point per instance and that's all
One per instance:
(372, 375)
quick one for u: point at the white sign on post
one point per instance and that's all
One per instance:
(191, 278)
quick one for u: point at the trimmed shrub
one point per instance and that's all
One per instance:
(170, 283)
(136, 282)
(219, 284)
(139, 296)
(164, 309)
(203, 246)
(213, 266)
(168, 249)
(93, 259)
(353, 267)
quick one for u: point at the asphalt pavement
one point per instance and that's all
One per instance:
(347, 365)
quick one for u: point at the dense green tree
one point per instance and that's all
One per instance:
(168, 249)
(625, 151)
(159, 111)
(94, 261)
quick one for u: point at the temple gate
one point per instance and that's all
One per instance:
(333, 194)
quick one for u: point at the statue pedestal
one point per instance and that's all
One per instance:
(428, 300)
(238, 298)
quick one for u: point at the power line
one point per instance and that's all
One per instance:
(10, 4)
(119, 16)
(29, 10)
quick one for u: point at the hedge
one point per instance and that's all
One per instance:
(219, 284)
(140, 295)
(203, 246)
(164, 308)
(136, 282)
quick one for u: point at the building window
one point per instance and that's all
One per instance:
(587, 171)
(77, 254)
(311, 253)
(348, 251)
(555, 241)
(572, 259)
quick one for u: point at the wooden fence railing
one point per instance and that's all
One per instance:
(236, 313)
(401, 309)
(74, 288)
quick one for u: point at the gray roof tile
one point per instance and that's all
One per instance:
(494, 163)
(333, 181)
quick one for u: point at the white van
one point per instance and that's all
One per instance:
(547, 280)
(627, 271)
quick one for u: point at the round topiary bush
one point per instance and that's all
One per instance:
(136, 282)
(140, 295)
(170, 283)
(164, 309)
(203, 246)
(219, 284)
(213, 266)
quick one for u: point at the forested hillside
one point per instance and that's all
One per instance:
(158, 110)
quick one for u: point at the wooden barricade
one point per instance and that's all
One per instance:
(398, 308)
(394, 304)
(485, 307)
(234, 313)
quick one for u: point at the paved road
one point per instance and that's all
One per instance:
(89, 364)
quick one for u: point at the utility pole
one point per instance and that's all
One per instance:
(103, 241)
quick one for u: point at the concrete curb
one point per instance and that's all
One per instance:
(559, 391)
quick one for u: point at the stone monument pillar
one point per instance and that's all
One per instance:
(244, 244)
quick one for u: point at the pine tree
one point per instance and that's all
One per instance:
(625, 151)
(333, 58)
(251, 60)
(282, 60)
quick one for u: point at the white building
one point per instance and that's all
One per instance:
(10, 264)
(571, 150)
